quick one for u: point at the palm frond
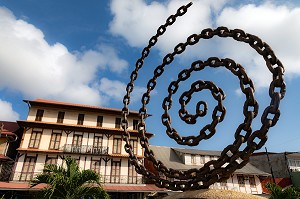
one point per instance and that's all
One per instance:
(69, 182)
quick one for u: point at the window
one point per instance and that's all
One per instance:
(134, 144)
(97, 141)
(51, 160)
(55, 140)
(80, 119)
(77, 140)
(193, 159)
(118, 123)
(132, 174)
(213, 157)
(241, 180)
(99, 121)
(117, 145)
(35, 139)
(135, 124)
(39, 115)
(95, 165)
(223, 183)
(115, 171)
(76, 143)
(252, 181)
(60, 117)
(97, 145)
(28, 168)
(202, 159)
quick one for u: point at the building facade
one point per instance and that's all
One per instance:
(246, 180)
(284, 167)
(10, 134)
(92, 135)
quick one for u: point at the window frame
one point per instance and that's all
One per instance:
(252, 181)
(28, 174)
(223, 183)
(79, 136)
(51, 158)
(241, 180)
(202, 159)
(80, 119)
(96, 167)
(99, 120)
(96, 143)
(134, 144)
(36, 142)
(118, 123)
(115, 171)
(117, 145)
(135, 124)
(39, 115)
(60, 117)
(56, 140)
(132, 174)
(193, 159)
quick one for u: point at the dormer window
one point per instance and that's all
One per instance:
(39, 115)
(99, 121)
(202, 159)
(80, 119)
(135, 124)
(193, 159)
(60, 117)
(118, 123)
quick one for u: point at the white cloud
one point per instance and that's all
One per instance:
(278, 25)
(39, 70)
(137, 21)
(114, 89)
(7, 113)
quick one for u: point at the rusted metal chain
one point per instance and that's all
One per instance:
(232, 157)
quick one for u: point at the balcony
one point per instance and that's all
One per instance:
(122, 179)
(85, 149)
(23, 176)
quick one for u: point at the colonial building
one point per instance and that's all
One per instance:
(90, 134)
(10, 134)
(284, 167)
(245, 180)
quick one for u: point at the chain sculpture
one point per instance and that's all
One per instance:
(232, 157)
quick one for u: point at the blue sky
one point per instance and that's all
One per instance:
(84, 51)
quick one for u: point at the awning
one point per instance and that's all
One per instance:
(5, 158)
(22, 186)
(133, 188)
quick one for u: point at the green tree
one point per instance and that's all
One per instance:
(69, 182)
(278, 192)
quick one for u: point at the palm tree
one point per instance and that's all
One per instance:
(69, 182)
(278, 192)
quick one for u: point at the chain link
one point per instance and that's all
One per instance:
(232, 157)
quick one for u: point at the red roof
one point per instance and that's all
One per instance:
(133, 188)
(58, 103)
(109, 188)
(19, 186)
(8, 129)
(5, 158)
(10, 126)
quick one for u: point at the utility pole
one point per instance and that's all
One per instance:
(270, 166)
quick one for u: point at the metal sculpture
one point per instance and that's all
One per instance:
(232, 157)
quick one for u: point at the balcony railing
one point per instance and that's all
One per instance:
(122, 179)
(90, 149)
(23, 176)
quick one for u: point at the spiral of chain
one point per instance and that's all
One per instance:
(232, 157)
